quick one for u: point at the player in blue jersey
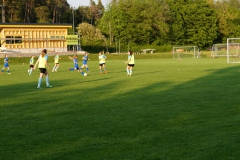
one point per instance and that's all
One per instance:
(31, 62)
(56, 61)
(6, 65)
(75, 62)
(84, 63)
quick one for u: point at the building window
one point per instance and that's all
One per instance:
(18, 39)
(9, 39)
(13, 39)
(53, 37)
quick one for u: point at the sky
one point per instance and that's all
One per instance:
(77, 3)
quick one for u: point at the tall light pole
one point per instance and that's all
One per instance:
(73, 19)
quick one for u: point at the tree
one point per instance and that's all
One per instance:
(193, 23)
(141, 21)
(42, 14)
(228, 14)
(90, 35)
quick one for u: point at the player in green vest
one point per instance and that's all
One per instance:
(130, 63)
(31, 62)
(102, 60)
(42, 64)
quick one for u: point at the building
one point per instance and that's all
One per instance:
(33, 37)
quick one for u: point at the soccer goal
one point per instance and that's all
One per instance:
(233, 50)
(219, 50)
(185, 51)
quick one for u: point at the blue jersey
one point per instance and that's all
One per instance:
(75, 60)
(6, 62)
(85, 59)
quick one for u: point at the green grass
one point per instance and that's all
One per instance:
(169, 109)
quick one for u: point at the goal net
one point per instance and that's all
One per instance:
(219, 50)
(233, 50)
(185, 52)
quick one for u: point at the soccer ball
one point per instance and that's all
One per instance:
(85, 74)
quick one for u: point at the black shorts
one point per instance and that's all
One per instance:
(31, 65)
(101, 64)
(131, 65)
(56, 63)
(43, 70)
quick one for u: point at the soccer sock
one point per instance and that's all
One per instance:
(127, 71)
(47, 81)
(100, 70)
(130, 72)
(8, 71)
(104, 69)
(56, 67)
(39, 82)
(2, 70)
(71, 69)
(86, 69)
(53, 68)
(82, 73)
(30, 71)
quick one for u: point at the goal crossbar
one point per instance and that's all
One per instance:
(181, 49)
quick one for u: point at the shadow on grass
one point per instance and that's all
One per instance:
(194, 120)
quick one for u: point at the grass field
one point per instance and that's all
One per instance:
(169, 109)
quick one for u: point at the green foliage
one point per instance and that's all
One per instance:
(141, 21)
(194, 23)
(197, 22)
(42, 14)
(228, 19)
(91, 35)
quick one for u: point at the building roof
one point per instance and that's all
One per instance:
(36, 25)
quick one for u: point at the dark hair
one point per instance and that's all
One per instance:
(130, 52)
(45, 51)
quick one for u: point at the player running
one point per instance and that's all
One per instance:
(75, 62)
(85, 59)
(102, 59)
(6, 65)
(56, 61)
(31, 62)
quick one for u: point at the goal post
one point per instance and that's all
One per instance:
(233, 50)
(219, 50)
(185, 51)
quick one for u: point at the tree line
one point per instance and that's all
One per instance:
(49, 11)
(171, 22)
(146, 22)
